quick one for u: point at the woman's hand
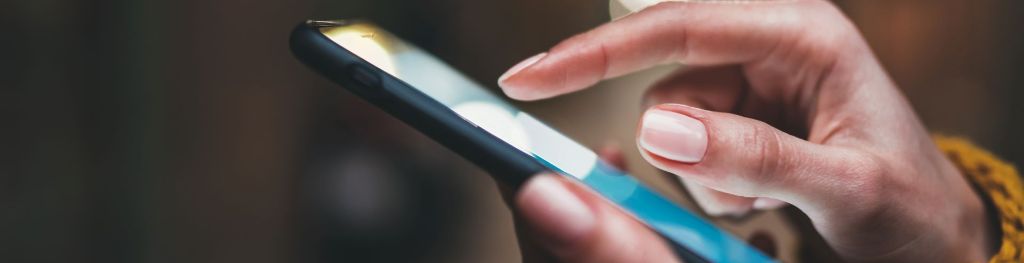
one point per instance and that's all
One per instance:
(787, 105)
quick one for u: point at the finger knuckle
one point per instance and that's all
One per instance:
(819, 26)
(867, 179)
(840, 31)
(769, 149)
(815, 35)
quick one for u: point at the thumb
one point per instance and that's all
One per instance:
(572, 224)
(743, 156)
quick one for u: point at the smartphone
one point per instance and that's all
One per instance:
(511, 145)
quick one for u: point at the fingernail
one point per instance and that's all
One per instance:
(674, 136)
(714, 210)
(519, 67)
(764, 203)
(556, 213)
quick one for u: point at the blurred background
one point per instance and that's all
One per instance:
(184, 131)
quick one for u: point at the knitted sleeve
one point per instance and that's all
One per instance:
(1000, 183)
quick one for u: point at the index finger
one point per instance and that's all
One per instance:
(683, 32)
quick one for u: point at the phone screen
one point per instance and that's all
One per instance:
(477, 105)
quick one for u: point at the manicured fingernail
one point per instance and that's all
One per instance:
(519, 67)
(674, 136)
(764, 203)
(556, 213)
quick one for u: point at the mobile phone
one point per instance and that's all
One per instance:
(511, 145)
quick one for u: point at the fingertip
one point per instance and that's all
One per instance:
(716, 203)
(612, 154)
(518, 92)
(765, 203)
(522, 65)
(717, 209)
(513, 88)
(511, 82)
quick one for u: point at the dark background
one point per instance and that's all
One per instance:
(183, 131)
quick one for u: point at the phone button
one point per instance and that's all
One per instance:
(364, 76)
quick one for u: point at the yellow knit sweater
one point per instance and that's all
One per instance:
(1001, 184)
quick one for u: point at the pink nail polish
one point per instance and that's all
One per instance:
(673, 136)
(518, 67)
(559, 216)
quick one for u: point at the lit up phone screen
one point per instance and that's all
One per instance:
(479, 106)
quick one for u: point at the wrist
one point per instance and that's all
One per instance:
(980, 227)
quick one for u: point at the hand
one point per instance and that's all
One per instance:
(787, 105)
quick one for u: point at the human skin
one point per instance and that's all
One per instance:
(780, 103)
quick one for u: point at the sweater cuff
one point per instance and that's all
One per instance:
(999, 183)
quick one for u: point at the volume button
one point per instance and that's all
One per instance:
(365, 77)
